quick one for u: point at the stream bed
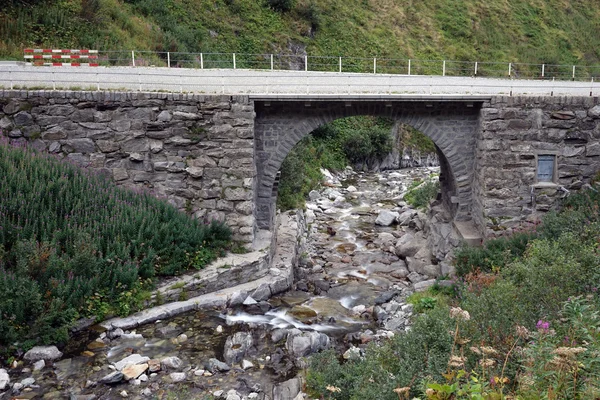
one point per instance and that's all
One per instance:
(366, 250)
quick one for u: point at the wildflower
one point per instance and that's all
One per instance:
(430, 392)
(475, 350)
(487, 363)
(543, 325)
(522, 332)
(489, 351)
(456, 361)
(402, 390)
(333, 389)
(459, 313)
(569, 351)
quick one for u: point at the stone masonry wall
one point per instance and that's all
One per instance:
(513, 132)
(196, 151)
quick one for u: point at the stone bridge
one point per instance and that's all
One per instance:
(504, 160)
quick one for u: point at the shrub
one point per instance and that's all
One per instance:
(406, 360)
(493, 255)
(421, 195)
(67, 235)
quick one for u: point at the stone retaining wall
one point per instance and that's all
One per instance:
(196, 151)
(513, 132)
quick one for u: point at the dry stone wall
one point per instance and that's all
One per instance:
(196, 151)
(513, 133)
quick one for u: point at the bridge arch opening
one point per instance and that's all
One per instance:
(280, 125)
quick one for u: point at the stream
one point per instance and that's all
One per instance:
(350, 289)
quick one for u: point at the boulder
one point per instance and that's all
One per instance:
(236, 347)
(215, 365)
(133, 359)
(386, 218)
(4, 379)
(113, 377)
(47, 353)
(171, 363)
(177, 377)
(133, 371)
(408, 245)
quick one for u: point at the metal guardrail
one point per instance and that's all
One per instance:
(375, 65)
(276, 82)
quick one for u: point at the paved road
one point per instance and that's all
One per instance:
(271, 83)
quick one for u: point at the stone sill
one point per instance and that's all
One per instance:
(545, 185)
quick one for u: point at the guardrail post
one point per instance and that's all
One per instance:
(475, 68)
(168, 59)
(543, 69)
(97, 81)
(573, 72)
(409, 67)
(509, 69)
(444, 68)
(201, 61)
(133, 57)
(305, 63)
(374, 65)
(340, 64)
(271, 62)
(233, 60)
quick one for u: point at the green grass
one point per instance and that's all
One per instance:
(529, 31)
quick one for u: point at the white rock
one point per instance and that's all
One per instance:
(49, 353)
(123, 393)
(233, 395)
(249, 301)
(4, 379)
(199, 372)
(27, 382)
(132, 359)
(247, 365)
(171, 363)
(351, 189)
(143, 378)
(386, 218)
(147, 392)
(218, 393)
(219, 329)
(39, 365)
(177, 376)
(182, 338)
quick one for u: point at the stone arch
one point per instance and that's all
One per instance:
(452, 126)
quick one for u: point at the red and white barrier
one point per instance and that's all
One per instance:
(62, 54)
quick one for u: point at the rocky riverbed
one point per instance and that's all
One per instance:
(365, 252)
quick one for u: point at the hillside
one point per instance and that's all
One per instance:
(536, 31)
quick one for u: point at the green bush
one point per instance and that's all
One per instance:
(493, 255)
(408, 359)
(67, 234)
(421, 195)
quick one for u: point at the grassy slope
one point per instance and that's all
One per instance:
(549, 31)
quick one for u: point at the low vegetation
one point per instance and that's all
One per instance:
(529, 31)
(522, 320)
(73, 245)
(355, 141)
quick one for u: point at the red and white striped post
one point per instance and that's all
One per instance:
(62, 54)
